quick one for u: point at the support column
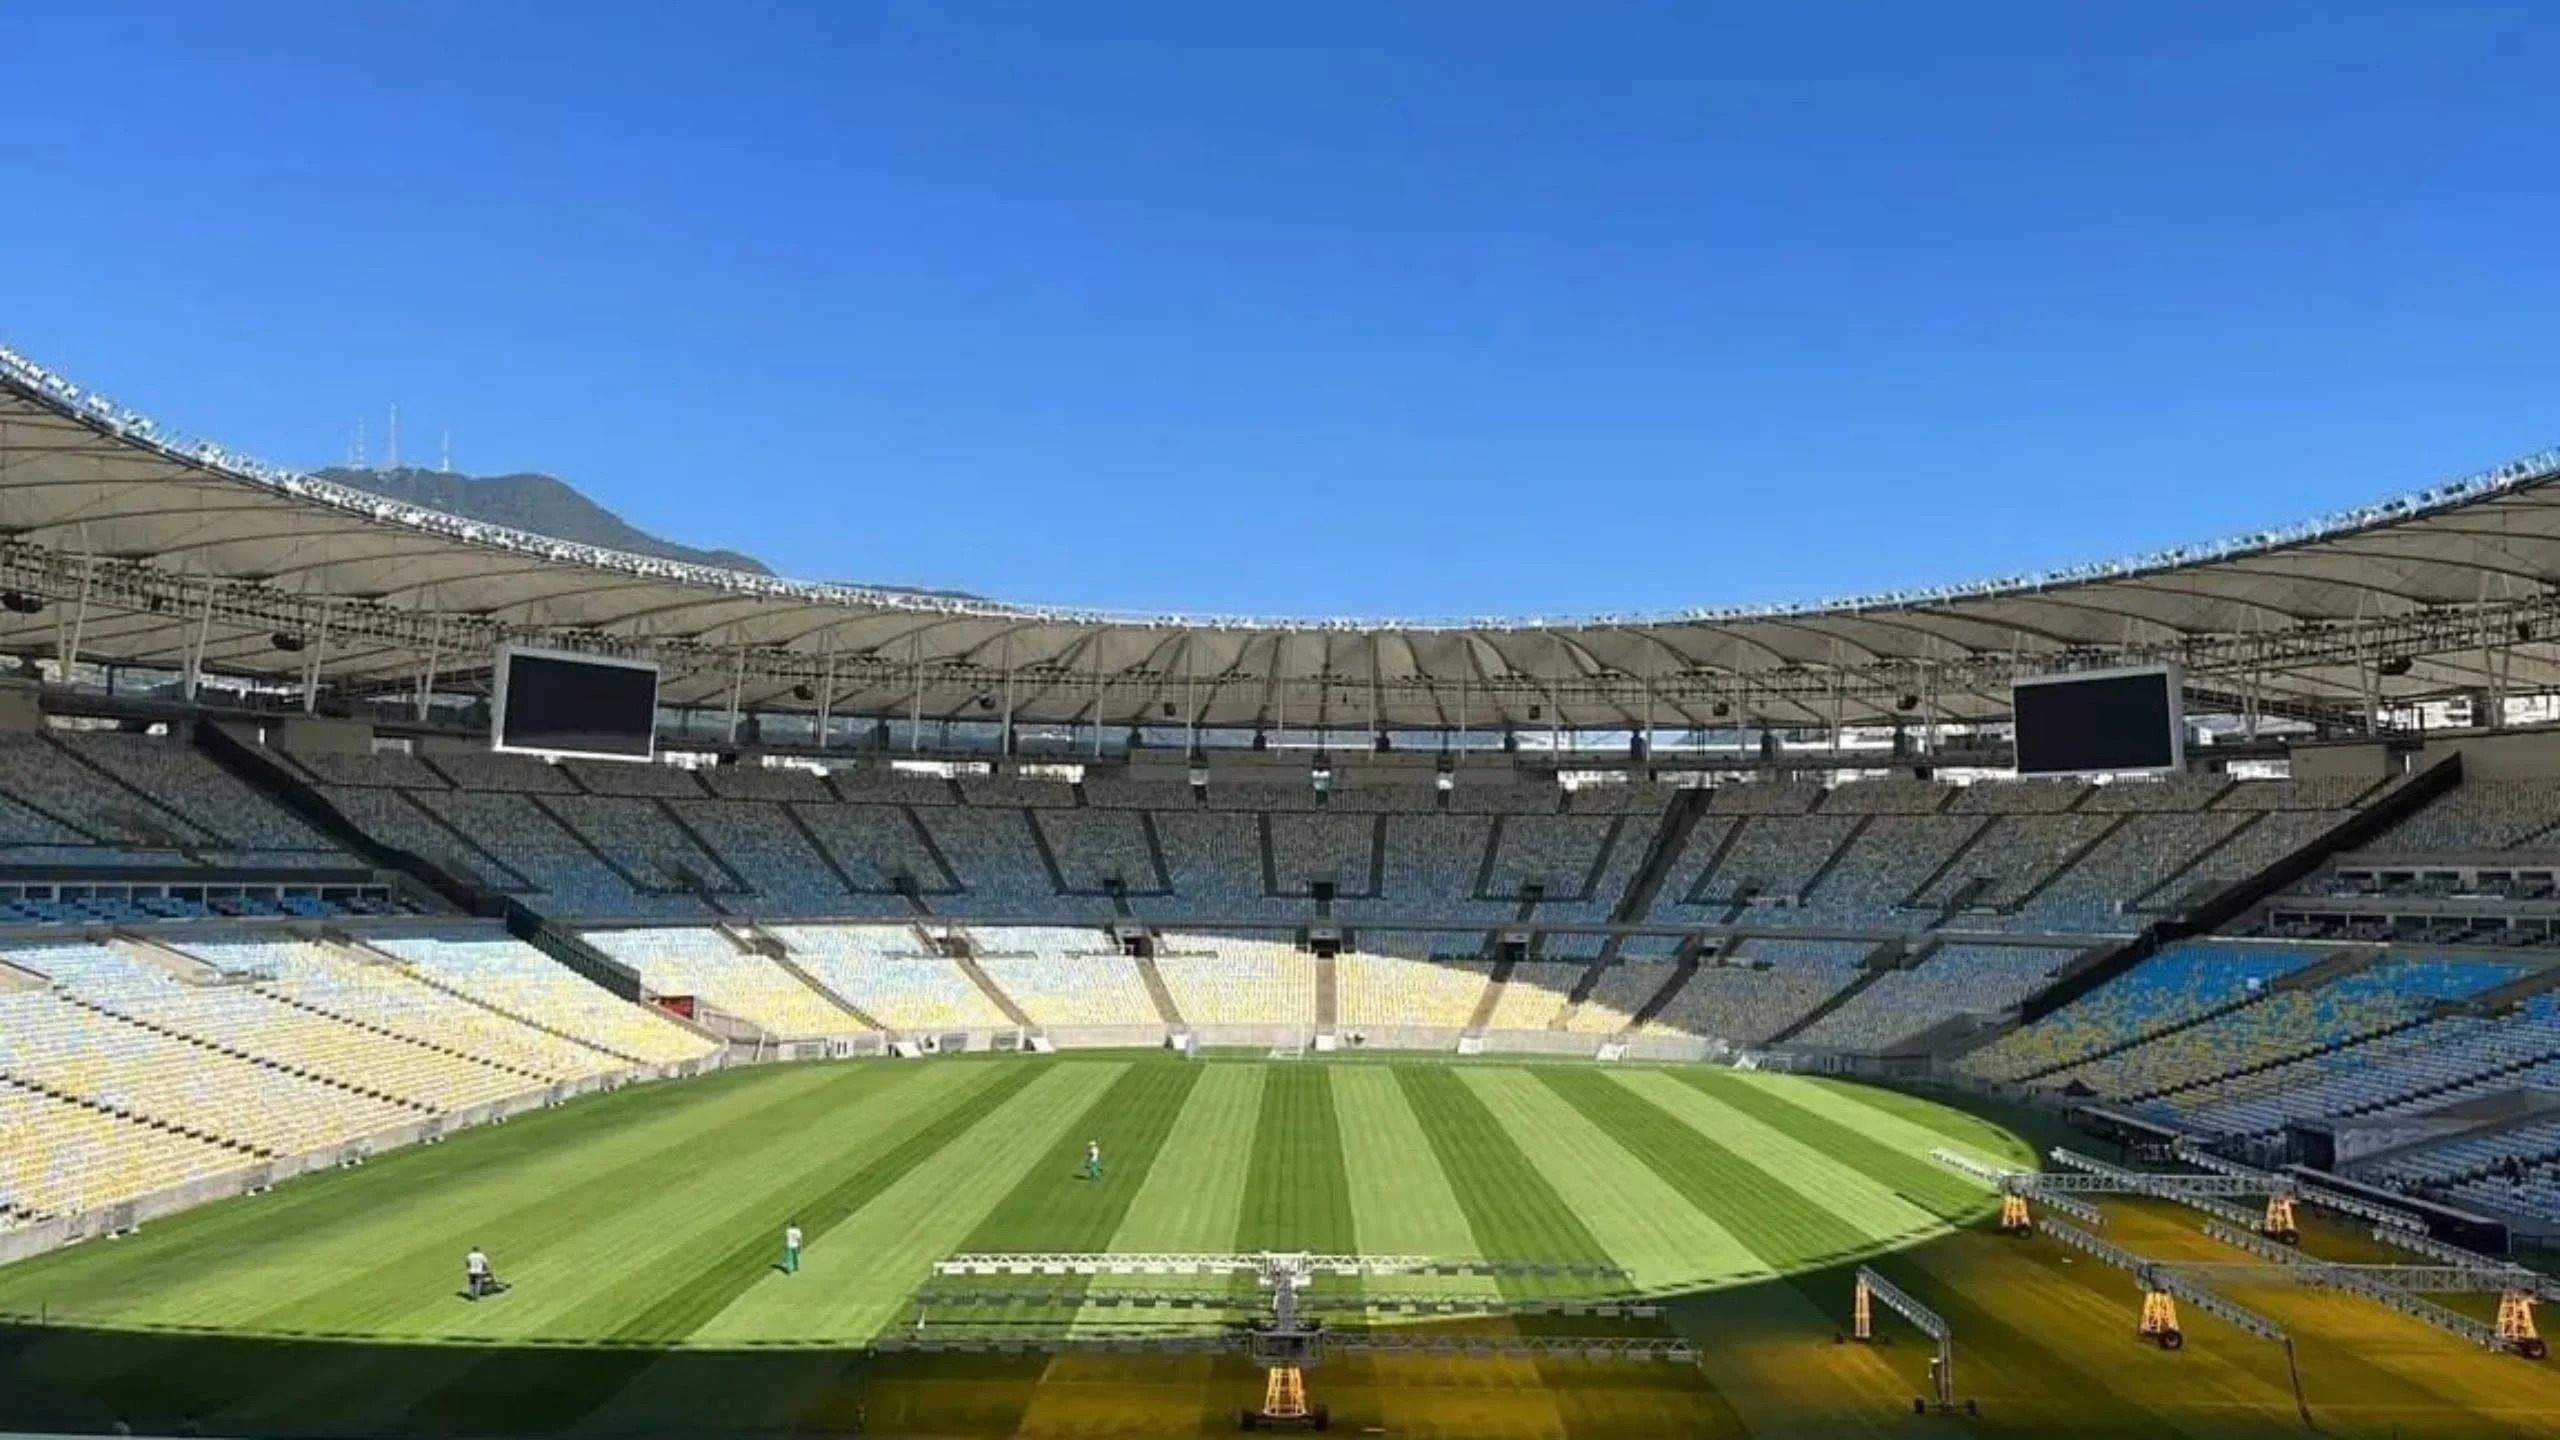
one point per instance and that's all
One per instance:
(194, 671)
(1648, 716)
(1190, 701)
(1377, 722)
(70, 657)
(1004, 741)
(1467, 657)
(915, 704)
(427, 677)
(312, 661)
(827, 691)
(737, 692)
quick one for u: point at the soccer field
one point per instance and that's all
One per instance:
(641, 1233)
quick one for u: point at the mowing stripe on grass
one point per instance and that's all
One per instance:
(1047, 1208)
(2044, 1337)
(1764, 1345)
(711, 1288)
(1910, 1125)
(1053, 1207)
(1192, 1197)
(858, 1276)
(1187, 1195)
(1434, 1173)
(1408, 1199)
(297, 1242)
(1947, 1193)
(248, 1250)
(1511, 1210)
(1402, 1200)
(1296, 1196)
(731, 1393)
(1784, 1229)
(551, 1233)
(642, 1306)
(711, 1198)
(1818, 1176)
(1642, 1222)
(374, 1393)
(973, 1150)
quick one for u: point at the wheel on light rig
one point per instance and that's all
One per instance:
(2171, 1339)
(2534, 1349)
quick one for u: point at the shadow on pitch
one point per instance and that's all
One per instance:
(73, 1381)
(68, 1380)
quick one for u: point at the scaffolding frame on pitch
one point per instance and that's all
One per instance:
(1873, 1289)
(2385, 1216)
(1277, 1324)
(1243, 1264)
(2055, 1190)
(2163, 1287)
(2399, 1287)
(2520, 1291)
(2527, 1290)
(1367, 1301)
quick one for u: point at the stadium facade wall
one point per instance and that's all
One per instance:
(313, 735)
(1106, 1037)
(2346, 760)
(1402, 1037)
(1677, 1049)
(2486, 755)
(2526, 755)
(1542, 1042)
(1253, 1037)
(21, 705)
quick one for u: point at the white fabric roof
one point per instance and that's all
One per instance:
(2445, 589)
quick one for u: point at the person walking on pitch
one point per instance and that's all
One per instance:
(1093, 1159)
(476, 1279)
(791, 1248)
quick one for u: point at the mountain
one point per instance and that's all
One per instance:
(538, 503)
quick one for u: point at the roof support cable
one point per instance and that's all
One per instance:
(1004, 656)
(427, 674)
(827, 687)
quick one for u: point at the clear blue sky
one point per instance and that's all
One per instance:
(1326, 307)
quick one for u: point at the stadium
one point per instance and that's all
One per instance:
(2115, 1001)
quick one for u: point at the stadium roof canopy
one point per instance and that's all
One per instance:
(156, 550)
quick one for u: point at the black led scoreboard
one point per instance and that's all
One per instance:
(2100, 721)
(559, 703)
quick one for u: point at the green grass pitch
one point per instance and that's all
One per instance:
(641, 1233)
